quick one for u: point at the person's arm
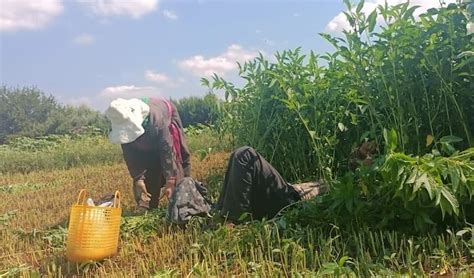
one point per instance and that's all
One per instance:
(185, 153)
(136, 166)
(160, 121)
(165, 152)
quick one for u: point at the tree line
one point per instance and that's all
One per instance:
(30, 112)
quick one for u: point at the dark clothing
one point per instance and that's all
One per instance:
(151, 156)
(252, 185)
(189, 199)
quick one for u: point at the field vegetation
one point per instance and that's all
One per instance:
(33, 229)
(398, 96)
(387, 122)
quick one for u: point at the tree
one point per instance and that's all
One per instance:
(79, 119)
(198, 110)
(29, 112)
(25, 111)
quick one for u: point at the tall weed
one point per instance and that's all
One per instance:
(412, 75)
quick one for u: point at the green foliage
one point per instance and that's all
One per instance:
(89, 147)
(57, 152)
(198, 110)
(203, 139)
(25, 110)
(430, 183)
(81, 120)
(407, 86)
(411, 77)
(29, 112)
(413, 194)
(319, 250)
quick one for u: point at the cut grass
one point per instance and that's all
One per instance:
(33, 232)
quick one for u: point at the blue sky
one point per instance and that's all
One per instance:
(91, 51)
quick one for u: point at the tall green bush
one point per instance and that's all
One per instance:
(414, 76)
(406, 87)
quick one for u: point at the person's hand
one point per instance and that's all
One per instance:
(142, 197)
(168, 190)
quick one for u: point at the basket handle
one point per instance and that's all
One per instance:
(81, 198)
(117, 199)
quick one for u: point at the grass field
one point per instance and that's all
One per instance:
(400, 206)
(34, 214)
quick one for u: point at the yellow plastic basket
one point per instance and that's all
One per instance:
(93, 231)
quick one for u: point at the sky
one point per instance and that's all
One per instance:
(92, 51)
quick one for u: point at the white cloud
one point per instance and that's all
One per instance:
(128, 91)
(156, 77)
(84, 39)
(132, 8)
(28, 14)
(222, 64)
(340, 23)
(170, 14)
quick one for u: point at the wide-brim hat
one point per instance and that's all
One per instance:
(126, 116)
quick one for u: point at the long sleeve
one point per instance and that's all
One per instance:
(135, 164)
(185, 153)
(165, 152)
(160, 119)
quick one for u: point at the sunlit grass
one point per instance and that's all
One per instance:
(33, 230)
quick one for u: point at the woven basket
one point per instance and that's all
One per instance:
(93, 231)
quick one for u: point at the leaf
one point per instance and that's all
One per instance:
(348, 4)
(391, 139)
(412, 178)
(342, 261)
(360, 6)
(448, 202)
(429, 140)
(341, 126)
(447, 148)
(428, 188)
(372, 19)
(421, 180)
(462, 232)
(330, 266)
(426, 218)
(204, 82)
(450, 139)
(350, 19)
(409, 12)
(465, 54)
(432, 11)
(454, 176)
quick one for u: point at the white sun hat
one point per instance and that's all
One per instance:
(126, 116)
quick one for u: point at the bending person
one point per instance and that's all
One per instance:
(153, 144)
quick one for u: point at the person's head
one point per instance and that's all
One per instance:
(126, 116)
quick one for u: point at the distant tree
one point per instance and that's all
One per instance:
(29, 112)
(80, 119)
(25, 111)
(198, 110)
